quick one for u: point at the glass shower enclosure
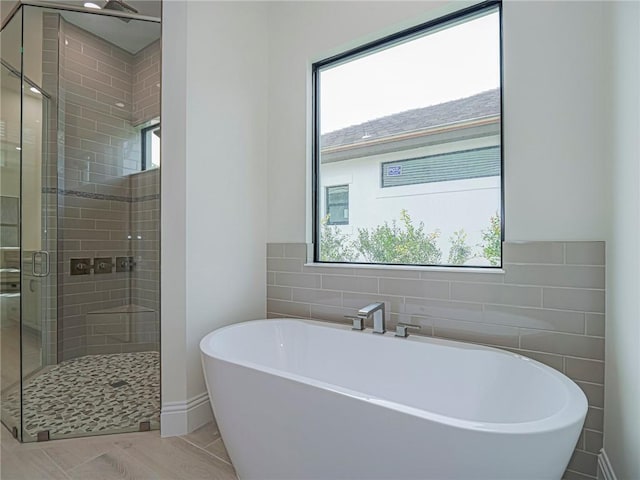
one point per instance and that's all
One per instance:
(79, 222)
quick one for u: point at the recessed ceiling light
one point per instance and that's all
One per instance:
(120, 105)
(92, 5)
(18, 148)
(35, 90)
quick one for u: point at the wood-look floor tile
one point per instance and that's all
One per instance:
(219, 450)
(6, 439)
(125, 456)
(203, 436)
(113, 465)
(177, 458)
(28, 464)
(68, 454)
(10, 443)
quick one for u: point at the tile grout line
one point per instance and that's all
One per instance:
(59, 467)
(207, 451)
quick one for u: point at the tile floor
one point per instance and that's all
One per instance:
(90, 395)
(132, 456)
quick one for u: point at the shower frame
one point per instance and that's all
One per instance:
(26, 81)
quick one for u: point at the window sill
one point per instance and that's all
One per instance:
(418, 268)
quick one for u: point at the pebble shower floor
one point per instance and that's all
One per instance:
(90, 395)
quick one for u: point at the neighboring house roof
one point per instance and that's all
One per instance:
(485, 104)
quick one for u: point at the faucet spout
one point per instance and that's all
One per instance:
(375, 311)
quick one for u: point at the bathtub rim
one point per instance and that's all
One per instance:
(567, 416)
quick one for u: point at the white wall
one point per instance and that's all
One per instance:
(300, 34)
(554, 148)
(622, 362)
(173, 283)
(554, 118)
(556, 159)
(213, 189)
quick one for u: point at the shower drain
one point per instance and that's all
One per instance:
(119, 383)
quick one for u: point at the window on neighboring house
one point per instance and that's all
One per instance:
(151, 147)
(461, 165)
(413, 123)
(337, 205)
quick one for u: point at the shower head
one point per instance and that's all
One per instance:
(120, 6)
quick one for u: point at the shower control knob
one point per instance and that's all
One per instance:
(80, 266)
(124, 264)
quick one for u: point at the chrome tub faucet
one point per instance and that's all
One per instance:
(375, 311)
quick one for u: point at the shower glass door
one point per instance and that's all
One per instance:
(27, 223)
(80, 223)
(38, 243)
(10, 153)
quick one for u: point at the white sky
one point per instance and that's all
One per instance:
(454, 63)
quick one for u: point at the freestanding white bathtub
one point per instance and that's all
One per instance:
(297, 399)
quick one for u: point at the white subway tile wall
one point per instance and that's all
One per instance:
(547, 304)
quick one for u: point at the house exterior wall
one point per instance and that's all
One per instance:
(444, 206)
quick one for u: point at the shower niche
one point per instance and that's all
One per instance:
(79, 190)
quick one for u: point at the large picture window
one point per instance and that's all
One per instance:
(413, 121)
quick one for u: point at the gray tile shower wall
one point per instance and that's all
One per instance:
(547, 304)
(101, 146)
(146, 84)
(50, 50)
(90, 228)
(98, 194)
(145, 219)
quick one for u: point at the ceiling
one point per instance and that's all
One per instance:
(132, 36)
(149, 8)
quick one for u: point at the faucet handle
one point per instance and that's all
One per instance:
(402, 329)
(358, 322)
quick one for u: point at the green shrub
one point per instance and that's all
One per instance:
(492, 240)
(335, 246)
(460, 251)
(402, 243)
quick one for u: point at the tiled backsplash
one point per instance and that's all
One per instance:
(547, 303)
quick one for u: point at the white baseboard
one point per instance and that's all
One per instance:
(605, 470)
(180, 418)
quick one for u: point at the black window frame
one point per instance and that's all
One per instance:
(143, 145)
(327, 204)
(381, 44)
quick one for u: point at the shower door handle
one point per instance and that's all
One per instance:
(44, 263)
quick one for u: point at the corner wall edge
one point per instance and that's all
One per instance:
(605, 469)
(180, 418)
